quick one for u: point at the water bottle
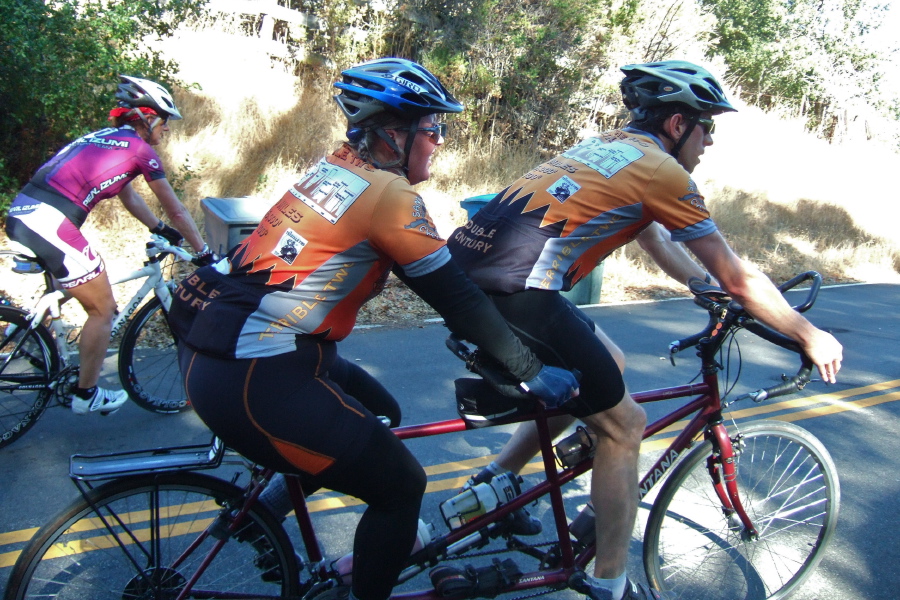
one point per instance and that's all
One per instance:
(480, 499)
(575, 448)
(582, 528)
(344, 565)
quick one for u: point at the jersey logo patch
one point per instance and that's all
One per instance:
(330, 190)
(693, 196)
(289, 246)
(563, 188)
(606, 159)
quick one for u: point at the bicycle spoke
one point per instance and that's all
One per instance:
(788, 487)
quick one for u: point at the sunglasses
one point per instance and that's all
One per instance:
(435, 132)
(709, 127)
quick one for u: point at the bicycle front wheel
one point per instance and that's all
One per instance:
(148, 361)
(28, 363)
(142, 540)
(788, 485)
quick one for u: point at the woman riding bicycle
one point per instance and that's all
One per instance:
(259, 328)
(47, 215)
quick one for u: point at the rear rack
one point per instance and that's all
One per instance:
(140, 462)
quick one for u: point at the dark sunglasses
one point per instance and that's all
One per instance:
(435, 132)
(709, 127)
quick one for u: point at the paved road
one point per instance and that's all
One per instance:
(858, 420)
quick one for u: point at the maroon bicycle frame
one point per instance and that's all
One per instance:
(707, 404)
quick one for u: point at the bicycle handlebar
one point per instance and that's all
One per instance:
(726, 314)
(160, 245)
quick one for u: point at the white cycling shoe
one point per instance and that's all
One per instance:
(103, 400)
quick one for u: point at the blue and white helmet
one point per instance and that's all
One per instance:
(395, 85)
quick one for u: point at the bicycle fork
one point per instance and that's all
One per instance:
(721, 466)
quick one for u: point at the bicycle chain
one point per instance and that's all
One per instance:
(467, 555)
(491, 552)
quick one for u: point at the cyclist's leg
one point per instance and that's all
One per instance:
(614, 492)
(524, 445)
(561, 335)
(358, 383)
(392, 483)
(97, 299)
(283, 412)
(64, 251)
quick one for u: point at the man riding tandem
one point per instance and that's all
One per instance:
(259, 329)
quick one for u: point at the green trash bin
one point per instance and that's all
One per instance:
(586, 291)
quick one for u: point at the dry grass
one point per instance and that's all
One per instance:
(786, 201)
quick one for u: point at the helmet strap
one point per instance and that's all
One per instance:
(692, 123)
(402, 155)
(410, 139)
(394, 148)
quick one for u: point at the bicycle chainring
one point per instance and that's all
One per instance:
(66, 382)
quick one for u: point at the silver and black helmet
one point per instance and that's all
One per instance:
(651, 85)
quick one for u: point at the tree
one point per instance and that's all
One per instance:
(59, 65)
(806, 54)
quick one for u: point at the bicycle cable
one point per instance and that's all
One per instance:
(726, 386)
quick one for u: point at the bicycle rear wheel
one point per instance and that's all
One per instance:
(28, 363)
(148, 362)
(138, 545)
(789, 486)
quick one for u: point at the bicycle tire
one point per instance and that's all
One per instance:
(148, 362)
(37, 361)
(157, 518)
(789, 486)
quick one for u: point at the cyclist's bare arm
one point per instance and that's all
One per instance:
(174, 209)
(755, 292)
(671, 256)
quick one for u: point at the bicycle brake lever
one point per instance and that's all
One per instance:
(674, 348)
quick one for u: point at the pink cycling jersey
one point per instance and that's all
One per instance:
(98, 165)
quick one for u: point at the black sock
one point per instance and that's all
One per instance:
(85, 393)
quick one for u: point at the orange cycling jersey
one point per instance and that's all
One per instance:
(556, 223)
(317, 256)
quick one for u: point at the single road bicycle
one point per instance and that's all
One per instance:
(35, 348)
(742, 514)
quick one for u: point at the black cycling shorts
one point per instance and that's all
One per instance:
(561, 335)
(290, 412)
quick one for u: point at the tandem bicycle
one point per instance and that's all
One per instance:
(741, 513)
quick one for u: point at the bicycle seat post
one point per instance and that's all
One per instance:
(304, 522)
(556, 497)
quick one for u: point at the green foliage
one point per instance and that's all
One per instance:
(806, 54)
(526, 70)
(59, 65)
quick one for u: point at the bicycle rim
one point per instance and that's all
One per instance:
(143, 550)
(789, 486)
(148, 362)
(27, 358)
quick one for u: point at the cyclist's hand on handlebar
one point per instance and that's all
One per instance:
(205, 257)
(826, 353)
(172, 235)
(552, 385)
